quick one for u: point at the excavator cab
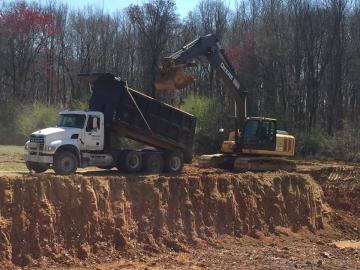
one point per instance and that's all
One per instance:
(257, 133)
(259, 147)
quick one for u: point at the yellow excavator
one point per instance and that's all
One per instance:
(255, 143)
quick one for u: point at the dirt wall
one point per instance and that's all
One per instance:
(70, 218)
(341, 186)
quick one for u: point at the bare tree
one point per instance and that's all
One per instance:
(25, 31)
(155, 21)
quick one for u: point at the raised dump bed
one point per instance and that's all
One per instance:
(139, 117)
(158, 124)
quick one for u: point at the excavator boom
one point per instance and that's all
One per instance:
(172, 75)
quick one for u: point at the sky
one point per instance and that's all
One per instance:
(183, 6)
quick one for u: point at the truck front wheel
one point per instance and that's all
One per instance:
(37, 167)
(65, 163)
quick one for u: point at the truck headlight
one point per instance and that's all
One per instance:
(26, 146)
(51, 148)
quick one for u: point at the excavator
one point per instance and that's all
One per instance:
(255, 144)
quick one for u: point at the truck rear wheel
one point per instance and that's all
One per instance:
(154, 163)
(132, 161)
(65, 163)
(174, 162)
(37, 167)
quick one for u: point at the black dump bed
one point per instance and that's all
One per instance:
(142, 118)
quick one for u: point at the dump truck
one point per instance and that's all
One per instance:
(84, 138)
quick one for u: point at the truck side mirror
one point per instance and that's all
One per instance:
(95, 123)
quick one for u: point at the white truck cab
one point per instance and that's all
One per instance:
(76, 141)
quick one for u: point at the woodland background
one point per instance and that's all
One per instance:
(299, 60)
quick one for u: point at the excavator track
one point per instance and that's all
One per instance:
(246, 163)
(263, 164)
(223, 161)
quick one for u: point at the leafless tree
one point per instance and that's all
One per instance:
(155, 22)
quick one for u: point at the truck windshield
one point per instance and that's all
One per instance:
(71, 120)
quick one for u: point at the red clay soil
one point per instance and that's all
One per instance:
(69, 218)
(341, 187)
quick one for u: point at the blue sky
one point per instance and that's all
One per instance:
(183, 6)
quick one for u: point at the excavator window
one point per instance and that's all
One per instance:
(259, 134)
(268, 130)
(251, 132)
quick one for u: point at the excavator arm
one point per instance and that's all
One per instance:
(172, 74)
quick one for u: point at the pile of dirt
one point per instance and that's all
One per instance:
(64, 219)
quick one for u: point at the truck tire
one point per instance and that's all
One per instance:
(65, 163)
(132, 161)
(174, 162)
(154, 162)
(37, 167)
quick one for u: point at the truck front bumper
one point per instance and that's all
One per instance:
(38, 157)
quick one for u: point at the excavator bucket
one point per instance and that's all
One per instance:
(172, 77)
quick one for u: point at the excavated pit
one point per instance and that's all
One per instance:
(341, 186)
(71, 218)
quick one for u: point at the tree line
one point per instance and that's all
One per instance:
(299, 59)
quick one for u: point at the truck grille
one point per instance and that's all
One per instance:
(39, 139)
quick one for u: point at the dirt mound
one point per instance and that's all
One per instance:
(64, 219)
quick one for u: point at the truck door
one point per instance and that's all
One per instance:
(94, 138)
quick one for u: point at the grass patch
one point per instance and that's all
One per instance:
(11, 150)
(13, 166)
(11, 158)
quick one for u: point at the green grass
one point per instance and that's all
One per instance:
(11, 158)
(13, 167)
(11, 150)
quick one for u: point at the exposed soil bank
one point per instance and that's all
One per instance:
(65, 218)
(341, 186)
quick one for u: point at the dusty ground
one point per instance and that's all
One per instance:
(283, 251)
(201, 219)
